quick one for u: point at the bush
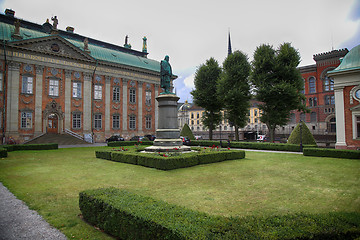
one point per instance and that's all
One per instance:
(130, 216)
(3, 153)
(19, 147)
(335, 153)
(186, 132)
(307, 137)
(154, 160)
(129, 143)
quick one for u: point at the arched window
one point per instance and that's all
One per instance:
(312, 85)
(332, 125)
(310, 102)
(328, 84)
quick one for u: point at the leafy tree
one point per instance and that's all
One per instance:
(234, 89)
(278, 84)
(205, 95)
(306, 136)
(186, 132)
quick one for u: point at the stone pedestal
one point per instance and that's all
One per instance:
(168, 133)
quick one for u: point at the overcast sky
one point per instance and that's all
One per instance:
(191, 32)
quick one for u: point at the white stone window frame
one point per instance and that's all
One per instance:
(132, 122)
(148, 99)
(76, 89)
(97, 121)
(76, 122)
(116, 93)
(117, 120)
(27, 118)
(355, 112)
(54, 86)
(148, 122)
(29, 89)
(98, 92)
(132, 95)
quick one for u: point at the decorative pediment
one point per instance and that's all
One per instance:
(53, 45)
(355, 108)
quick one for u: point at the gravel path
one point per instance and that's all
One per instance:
(17, 221)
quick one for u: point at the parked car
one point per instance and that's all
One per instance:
(151, 137)
(114, 138)
(185, 140)
(136, 138)
(198, 137)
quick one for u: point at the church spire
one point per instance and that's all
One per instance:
(229, 45)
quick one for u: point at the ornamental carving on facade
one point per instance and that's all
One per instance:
(26, 102)
(133, 108)
(76, 105)
(53, 107)
(115, 107)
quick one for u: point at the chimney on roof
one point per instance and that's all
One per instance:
(70, 29)
(10, 12)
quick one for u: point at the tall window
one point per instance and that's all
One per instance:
(148, 98)
(132, 122)
(1, 81)
(27, 85)
(97, 121)
(313, 117)
(132, 95)
(76, 122)
(98, 92)
(357, 126)
(303, 91)
(53, 87)
(312, 85)
(26, 120)
(116, 94)
(332, 125)
(116, 121)
(148, 122)
(76, 90)
(328, 84)
(332, 99)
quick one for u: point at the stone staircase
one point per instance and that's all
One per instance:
(60, 139)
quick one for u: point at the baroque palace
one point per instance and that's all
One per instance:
(55, 81)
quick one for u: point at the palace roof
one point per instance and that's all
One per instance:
(97, 49)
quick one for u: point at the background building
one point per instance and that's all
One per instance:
(347, 100)
(55, 81)
(320, 99)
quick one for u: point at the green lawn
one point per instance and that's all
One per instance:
(261, 184)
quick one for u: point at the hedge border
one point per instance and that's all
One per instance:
(252, 145)
(128, 143)
(169, 163)
(130, 216)
(334, 153)
(20, 147)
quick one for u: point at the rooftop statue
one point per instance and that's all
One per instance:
(166, 74)
(56, 22)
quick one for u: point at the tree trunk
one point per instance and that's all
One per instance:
(236, 133)
(271, 132)
(210, 133)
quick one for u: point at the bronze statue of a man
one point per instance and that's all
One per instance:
(166, 74)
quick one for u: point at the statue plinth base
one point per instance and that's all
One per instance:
(168, 133)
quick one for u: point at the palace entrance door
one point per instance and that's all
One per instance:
(52, 123)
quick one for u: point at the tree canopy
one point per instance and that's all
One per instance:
(205, 93)
(234, 89)
(278, 84)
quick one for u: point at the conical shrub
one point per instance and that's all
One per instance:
(307, 137)
(186, 132)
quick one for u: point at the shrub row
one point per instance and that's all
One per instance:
(130, 216)
(335, 153)
(128, 143)
(19, 147)
(169, 163)
(252, 145)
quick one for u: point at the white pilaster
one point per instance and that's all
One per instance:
(125, 104)
(38, 100)
(12, 121)
(87, 118)
(68, 95)
(107, 104)
(340, 117)
(140, 105)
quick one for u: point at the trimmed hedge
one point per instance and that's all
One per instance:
(3, 153)
(130, 216)
(129, 143)
(10, 148)
(169, 163)
(252, 145)
(335, 153)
